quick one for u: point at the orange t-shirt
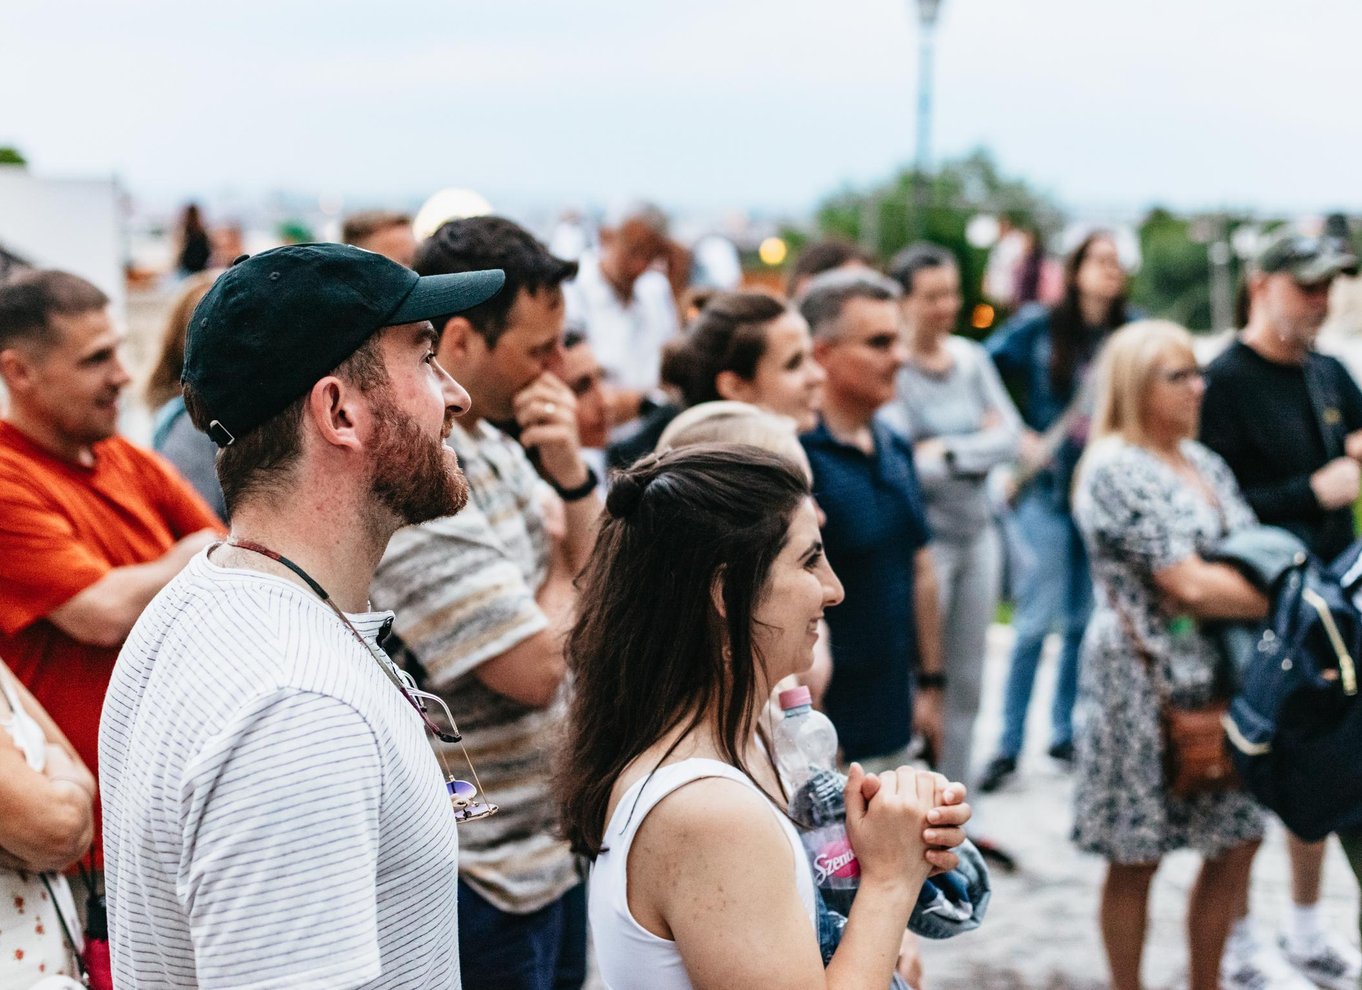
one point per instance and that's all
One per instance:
(62, 528)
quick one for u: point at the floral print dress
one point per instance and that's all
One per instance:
(1138, 516)
(32, 945)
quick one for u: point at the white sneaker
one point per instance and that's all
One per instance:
(1326, 962)
(1252, 965)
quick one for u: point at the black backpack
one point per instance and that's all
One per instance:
(1295, 723)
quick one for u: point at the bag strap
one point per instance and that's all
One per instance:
(66, 930)
(1319, 404)
(1162, 690)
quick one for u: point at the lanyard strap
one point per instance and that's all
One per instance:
(383, 665)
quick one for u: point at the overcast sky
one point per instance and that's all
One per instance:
(702, 104)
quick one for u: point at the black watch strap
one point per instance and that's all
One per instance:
(928, 681)
(581, 491)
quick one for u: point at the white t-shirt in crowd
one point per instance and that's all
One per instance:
(626, 337)
(274, 816)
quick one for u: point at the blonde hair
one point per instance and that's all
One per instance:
(736, 422)
(164, 382)
(1125, 372)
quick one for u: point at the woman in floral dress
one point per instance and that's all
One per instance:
(1151, 502)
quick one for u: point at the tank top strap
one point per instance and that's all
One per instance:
(643, 796)
(27, 733)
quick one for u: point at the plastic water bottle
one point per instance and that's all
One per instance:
(806, 753)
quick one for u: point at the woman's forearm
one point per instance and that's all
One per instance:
(870, 944)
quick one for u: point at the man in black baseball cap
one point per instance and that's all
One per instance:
(269, 787)
(1288, 422)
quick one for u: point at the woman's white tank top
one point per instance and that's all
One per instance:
(23, 728)
(631, 957)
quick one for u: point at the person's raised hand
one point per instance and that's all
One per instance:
(1337, 484)
(886, 829)
(546, 411)
(946, 821)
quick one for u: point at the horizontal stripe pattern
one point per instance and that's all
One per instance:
(273, 815)
(463, 590)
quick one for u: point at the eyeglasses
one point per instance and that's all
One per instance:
(463, 797)
(1181, 376)
(467, 799)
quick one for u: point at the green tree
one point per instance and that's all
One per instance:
(884, 219)
(1174, 277)
(11, 156)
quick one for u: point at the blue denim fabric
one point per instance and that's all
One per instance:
(830, 925)
(1021, 350)
(543, 950)
(1053, 587)
(948, 905)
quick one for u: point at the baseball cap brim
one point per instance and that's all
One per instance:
(1326, 266)
(444, 295)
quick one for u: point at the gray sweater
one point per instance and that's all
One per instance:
(953, 407)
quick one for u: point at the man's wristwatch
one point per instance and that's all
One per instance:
(580, 492)
(931, 681)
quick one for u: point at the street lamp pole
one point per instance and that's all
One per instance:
(927, 12)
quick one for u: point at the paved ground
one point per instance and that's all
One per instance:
(1041, 931)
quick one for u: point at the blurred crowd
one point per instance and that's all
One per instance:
(1077, 469)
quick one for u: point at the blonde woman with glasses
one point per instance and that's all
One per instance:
(1151, 502)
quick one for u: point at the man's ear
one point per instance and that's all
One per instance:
(334, 410)
(822, 347)
(455, 340)
(14, 370)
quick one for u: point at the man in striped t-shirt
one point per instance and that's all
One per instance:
(483, 600)
(274, 816)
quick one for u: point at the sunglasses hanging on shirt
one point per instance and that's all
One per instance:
(467, 800)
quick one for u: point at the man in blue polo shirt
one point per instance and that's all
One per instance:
(887, 630)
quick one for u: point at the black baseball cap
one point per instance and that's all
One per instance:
(1308, 260)
(277, 322)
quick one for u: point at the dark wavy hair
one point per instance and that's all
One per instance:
(1071, 339)
(648, 649)
(475, 243)
(728, 335)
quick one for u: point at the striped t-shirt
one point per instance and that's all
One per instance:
(463, 589)
(273, 815)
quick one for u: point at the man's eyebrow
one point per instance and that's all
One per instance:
(428, 334)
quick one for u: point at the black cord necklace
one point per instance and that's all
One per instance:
(465, 797)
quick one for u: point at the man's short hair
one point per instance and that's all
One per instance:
(28, 302)
(475, 243)
(824, 256)
(639, 211)
(361, 226)
(917, 258)
(828, 294)
(257, 463)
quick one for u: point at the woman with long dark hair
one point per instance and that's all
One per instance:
(667, 778)
(1046, 355)
(745, 347)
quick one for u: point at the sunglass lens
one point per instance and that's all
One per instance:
(468, 806)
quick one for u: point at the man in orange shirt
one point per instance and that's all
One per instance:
(91, 527)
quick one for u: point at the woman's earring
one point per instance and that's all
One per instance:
(727, 653)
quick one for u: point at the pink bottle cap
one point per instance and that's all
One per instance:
(795, 697)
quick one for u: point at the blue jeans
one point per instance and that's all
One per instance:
(1053, 588)
(542, 950)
